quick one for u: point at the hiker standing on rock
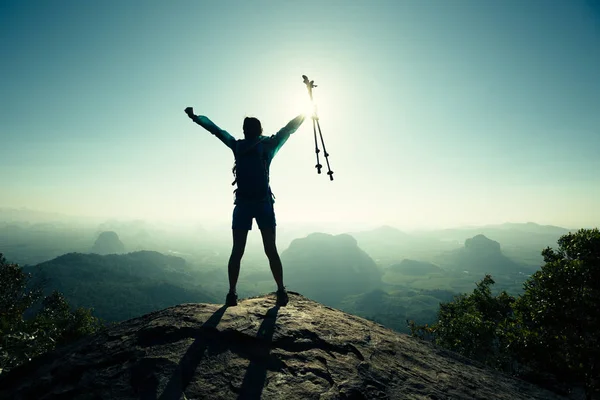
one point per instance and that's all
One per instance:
(253, 196)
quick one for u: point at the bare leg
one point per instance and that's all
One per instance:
(233, 268)
(268, 237)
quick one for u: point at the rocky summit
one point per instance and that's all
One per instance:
(257, 350)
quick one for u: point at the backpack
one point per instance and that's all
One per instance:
(251, 172)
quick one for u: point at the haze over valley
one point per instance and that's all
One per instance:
(123, 269)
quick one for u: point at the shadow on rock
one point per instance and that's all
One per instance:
(184, 372)
(256, 374)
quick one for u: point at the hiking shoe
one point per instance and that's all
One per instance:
(282, 297)
(231, 299)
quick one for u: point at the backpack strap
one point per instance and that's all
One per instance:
(262, 139)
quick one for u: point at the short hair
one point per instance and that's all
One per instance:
(252, 127)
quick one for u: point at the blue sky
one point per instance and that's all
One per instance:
(435, 113)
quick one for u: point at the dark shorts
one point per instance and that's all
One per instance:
(244, 213)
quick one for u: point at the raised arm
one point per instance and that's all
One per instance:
(284, 133)
(210, 126)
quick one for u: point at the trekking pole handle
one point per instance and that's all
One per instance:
(309, 85)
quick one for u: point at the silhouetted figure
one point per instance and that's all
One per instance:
(253, 196)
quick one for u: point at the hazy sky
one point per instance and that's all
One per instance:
(435, 113)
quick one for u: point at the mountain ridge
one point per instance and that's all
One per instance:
(121, 286)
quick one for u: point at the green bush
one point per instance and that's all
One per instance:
(31, 324)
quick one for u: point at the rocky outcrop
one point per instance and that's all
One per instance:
(257, 350)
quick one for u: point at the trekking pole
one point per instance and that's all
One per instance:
(316, 125)
(310, 85)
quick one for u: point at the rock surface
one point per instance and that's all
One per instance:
(257, 350)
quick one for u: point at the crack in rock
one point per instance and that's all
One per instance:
(305, 340)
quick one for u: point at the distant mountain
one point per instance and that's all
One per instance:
(385, 231)
(388, 245)
(531, 227)
(482, 255)
(120, 287)
(522, 242)
(28, 215)
(509, 234)
(108, 243)
(31, 243)
(327, 268)
(482, 246)
(412, 267)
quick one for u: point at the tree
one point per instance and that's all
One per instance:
(49, 324)
(478, 325)
(559, 310)
(15, 296)
(15, 300)
(552, 329)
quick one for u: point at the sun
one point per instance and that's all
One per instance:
(303, 105)
(297, 101)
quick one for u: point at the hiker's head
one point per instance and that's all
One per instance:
(252, 128)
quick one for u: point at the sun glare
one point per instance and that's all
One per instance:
(299, 102)
(305, 106)
(302, 104)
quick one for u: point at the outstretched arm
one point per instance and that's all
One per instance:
(284, 133)
(210, 126)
